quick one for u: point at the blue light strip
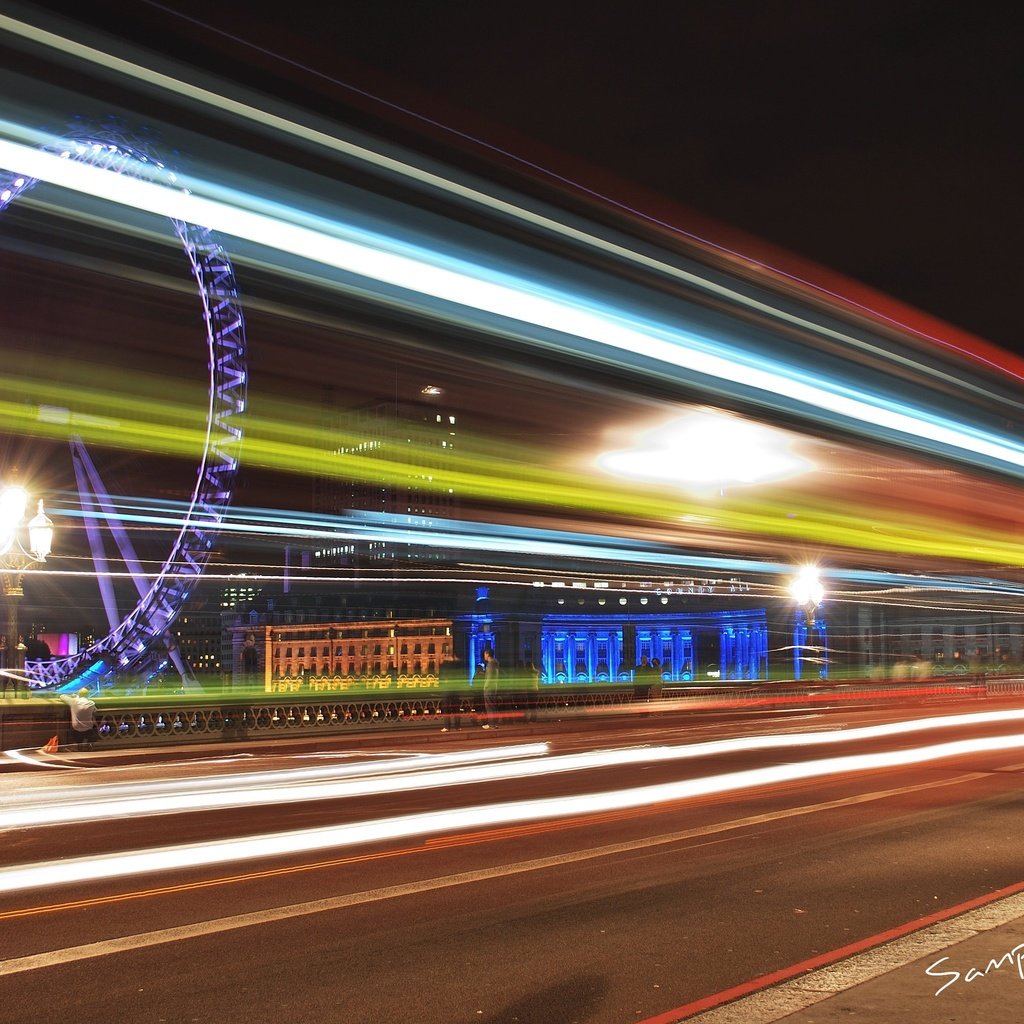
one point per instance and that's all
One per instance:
(460, 535)
(435, 276)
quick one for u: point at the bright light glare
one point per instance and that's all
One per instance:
(708, 448)
(302, 841)
(806, 588)
(13, 502)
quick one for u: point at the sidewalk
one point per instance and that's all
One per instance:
(968, 969)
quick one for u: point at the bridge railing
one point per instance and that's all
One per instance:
(176, 721)
(290, 715)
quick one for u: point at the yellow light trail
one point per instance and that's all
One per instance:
(135, 418)
(610, 334)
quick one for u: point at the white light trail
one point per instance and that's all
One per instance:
(502, 295)
(508, 763)
(83, 802)
(336, 146)
(304, 841)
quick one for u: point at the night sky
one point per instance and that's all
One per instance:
(878, 139)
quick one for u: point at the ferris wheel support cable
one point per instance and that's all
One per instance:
(96, 548)
(99, 497)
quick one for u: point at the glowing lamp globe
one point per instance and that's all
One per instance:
(806, 588)
(40, 534)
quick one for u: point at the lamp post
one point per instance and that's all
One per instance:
(15, 558)
(807, 591)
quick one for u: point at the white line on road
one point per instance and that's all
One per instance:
(127, 943)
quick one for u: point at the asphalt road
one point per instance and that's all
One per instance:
(478, 904)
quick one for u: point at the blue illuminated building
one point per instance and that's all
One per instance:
(575, 633)
(603, 643)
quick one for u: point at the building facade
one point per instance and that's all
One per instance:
(904, 642)
(602, 645)
(377, 654)
(582, 648)
(389, 459)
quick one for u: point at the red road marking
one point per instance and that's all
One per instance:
(823, 959)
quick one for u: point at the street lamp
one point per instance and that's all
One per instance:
(15, 558)
(807, 591)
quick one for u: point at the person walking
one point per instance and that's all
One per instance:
(492, 698)
(643, 680)
(83, 718)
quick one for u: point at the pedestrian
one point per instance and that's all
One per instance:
(83, 718)
(643, 679)
(491, 694)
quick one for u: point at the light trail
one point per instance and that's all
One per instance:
(303, 841)
(468, 535)
(484, 469)
(464, 536)
(295, 787)
(283, 778)
(516, 300)
(391, 166)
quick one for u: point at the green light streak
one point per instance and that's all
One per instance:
(482, 469)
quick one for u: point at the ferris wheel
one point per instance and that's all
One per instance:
(141, 635)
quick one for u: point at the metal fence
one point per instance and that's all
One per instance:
(1004, 687)
(139, 726)
(173, 721)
